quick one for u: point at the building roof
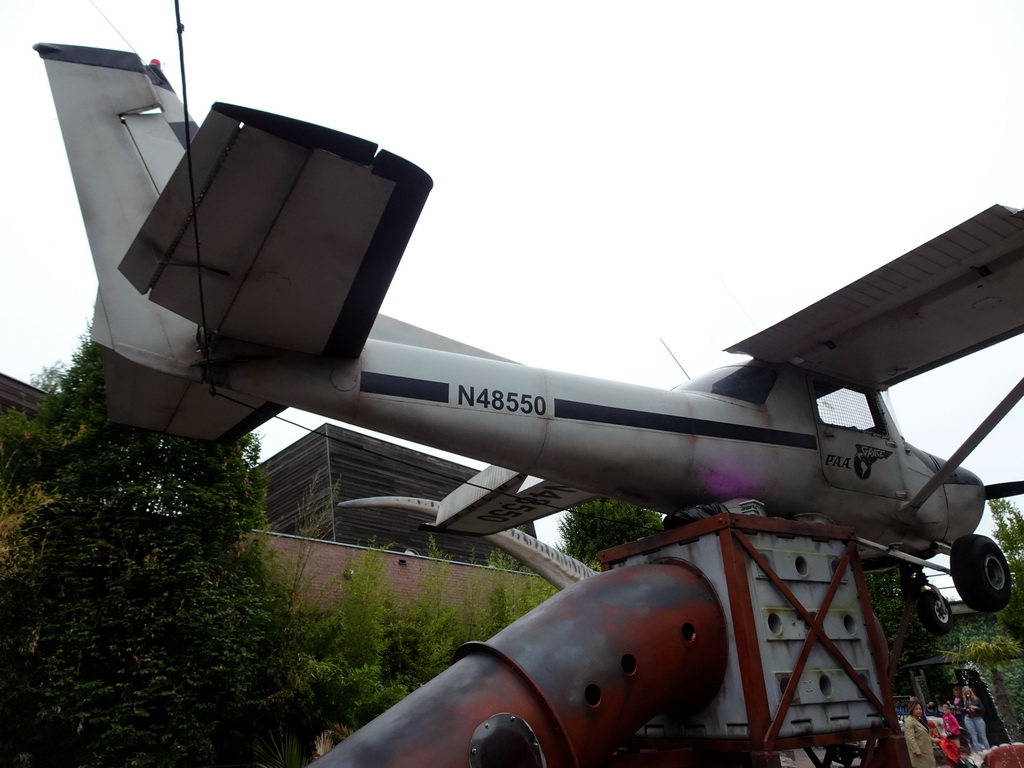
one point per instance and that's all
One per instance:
(18, 394)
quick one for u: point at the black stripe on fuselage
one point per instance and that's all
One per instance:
(402, 386)
(438, 392)
(625, 417)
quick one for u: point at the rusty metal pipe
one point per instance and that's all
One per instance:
(565, 685)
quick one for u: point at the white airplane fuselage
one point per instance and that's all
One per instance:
(664, 450)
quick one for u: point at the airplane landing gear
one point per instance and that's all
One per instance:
(933, 611)
(980, 573)
(932, 608)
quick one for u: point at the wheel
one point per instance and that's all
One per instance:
(980, 573)
(847, 753)
(933, 611)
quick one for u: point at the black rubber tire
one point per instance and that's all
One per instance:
(980, 573)
(934, 612)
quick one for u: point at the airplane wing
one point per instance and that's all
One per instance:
(952, 296)
(301, 230)
(496, 499)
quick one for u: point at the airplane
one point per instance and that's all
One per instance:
(242, 265)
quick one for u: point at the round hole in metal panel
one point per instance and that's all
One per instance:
(825, 685)
(774, 623)
(783, 682)
(629, 664)
(801, 565)
(689, 632)
(850, 623)
(592, 695)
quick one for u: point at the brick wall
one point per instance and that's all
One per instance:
(325, 563)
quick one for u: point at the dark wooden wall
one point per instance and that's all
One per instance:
(18, 394)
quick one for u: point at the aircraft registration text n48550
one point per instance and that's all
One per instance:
(500, 400)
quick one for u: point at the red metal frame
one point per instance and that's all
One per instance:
(884, 745)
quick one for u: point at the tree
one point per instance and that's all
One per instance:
(991, 656)
(49, 378)
(595, 525)
(133, 626)
(1009, 533)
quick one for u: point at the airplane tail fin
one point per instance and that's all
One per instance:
(123, 130)
(301, 230)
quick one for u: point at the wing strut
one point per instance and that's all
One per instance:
(954, 461)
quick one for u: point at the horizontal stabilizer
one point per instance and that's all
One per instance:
(497, 499)
(301, 229)
(956, 294)
(145, 398)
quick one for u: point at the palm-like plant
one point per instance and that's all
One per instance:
(284, 751)
(990, 656)
(323, 744)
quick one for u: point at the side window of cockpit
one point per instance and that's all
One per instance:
(841, 407)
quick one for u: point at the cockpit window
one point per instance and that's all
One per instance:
(841, 407)
(749, 383)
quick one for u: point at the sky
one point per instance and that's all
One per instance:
(604, 178)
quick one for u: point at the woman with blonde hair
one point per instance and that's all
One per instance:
(919, 740)
(974, 721)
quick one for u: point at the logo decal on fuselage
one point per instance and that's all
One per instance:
(866, 456)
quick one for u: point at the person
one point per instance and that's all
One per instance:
(957, 707)
(974, 720)
(950, 724)
(919, 741)
(965, 757)
(931, 710)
